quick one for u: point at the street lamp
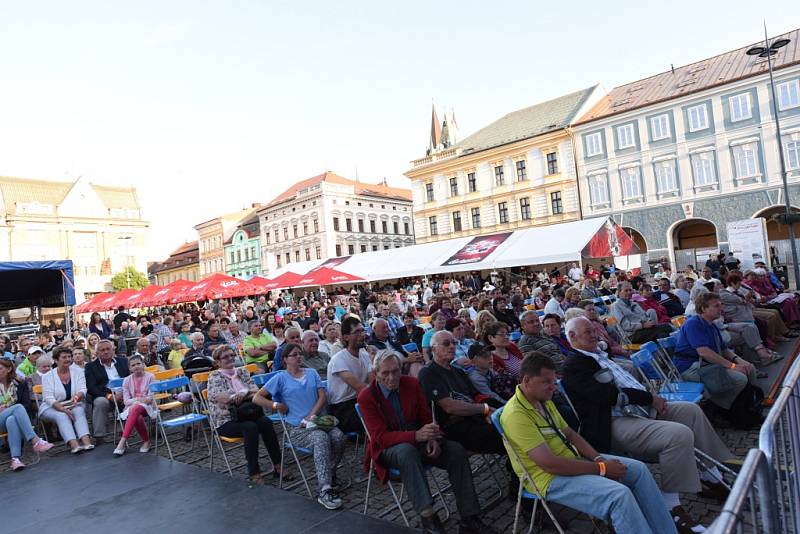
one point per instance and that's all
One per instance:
(767, 51)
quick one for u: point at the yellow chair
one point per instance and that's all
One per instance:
(216, 436)
(678, 321)
(166, 375)
(425, 320)
(252, 368)
(153, 369)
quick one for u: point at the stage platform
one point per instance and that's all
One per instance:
(94, 492)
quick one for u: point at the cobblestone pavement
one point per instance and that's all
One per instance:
(498, 511)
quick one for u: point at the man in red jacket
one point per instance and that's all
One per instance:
(403, 436)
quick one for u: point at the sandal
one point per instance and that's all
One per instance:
(287, 477)
(772, 358)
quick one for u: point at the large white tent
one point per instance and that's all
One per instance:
(558, 243)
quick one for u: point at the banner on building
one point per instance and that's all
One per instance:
(748, 241)
(610, 241)
(330, 264)
(477, 250)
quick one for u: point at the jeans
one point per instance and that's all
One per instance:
(250, 430)
(633, 504)
(408, 459)
(66, 427)
(15, 421)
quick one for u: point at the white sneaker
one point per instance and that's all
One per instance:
(145, 447)
(119, 451)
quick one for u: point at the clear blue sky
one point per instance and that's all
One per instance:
(208, 106)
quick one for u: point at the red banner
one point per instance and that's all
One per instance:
(610, 241)
(477, 250)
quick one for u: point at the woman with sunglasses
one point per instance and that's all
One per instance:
(230, 387)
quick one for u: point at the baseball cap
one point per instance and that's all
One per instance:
(477, 349)
(35, 349)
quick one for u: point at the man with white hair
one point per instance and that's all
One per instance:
(312, 357)
(620, 416)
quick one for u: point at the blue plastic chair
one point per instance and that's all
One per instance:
(515, 336)
(645, 361)
(188, 419)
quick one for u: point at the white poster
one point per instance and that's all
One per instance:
(747, 240)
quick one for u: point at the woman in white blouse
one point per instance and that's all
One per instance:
(63, 394)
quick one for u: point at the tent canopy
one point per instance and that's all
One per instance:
(558, 243)
(36, 283)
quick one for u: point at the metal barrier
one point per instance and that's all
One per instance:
(767, 490)
(779, 439)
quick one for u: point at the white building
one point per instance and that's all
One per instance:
(329, 216)
(676, 156)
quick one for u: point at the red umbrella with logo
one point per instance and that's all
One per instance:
(137, 299)
(287, 279)
(217, 286)
(88, 305)
(260, 284)
(164, 294)
(326, 277)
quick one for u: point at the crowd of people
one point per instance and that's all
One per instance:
(421, 367)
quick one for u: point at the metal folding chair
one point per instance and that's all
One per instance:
(654, 369)
(395, 474)
(191, 419)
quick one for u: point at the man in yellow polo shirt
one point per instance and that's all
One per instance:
(566, 469)
(258, 346)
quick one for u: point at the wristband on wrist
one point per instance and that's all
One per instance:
(485, 409)
(274, 406)
(733, 366)
(602, 467)
(597, 458)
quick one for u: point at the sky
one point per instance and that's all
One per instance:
(208, 106)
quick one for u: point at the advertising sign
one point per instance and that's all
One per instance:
(747, 240)
(477, 250)
(610, 241)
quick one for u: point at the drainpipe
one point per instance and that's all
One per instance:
(577, 176)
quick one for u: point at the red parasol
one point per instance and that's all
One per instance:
(169, 291)
(287, 279)
(327, 276)
(217, 286)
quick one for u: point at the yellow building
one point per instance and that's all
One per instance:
(514, 173)
(182, 264)
(100, 228)
(211, 238)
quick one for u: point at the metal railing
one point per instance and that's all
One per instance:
(766, 495)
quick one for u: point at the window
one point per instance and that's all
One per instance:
(276, 235)
(453, 186)
(363, 248)
(308, 254)
(739, 107)
(703, 168)
(476, 217)
(385, 227)
(348, 224)
(336, 223)
(745, 160)
(552, 163)
(433, 225)
(316, 226)
(788, 94)
(522, 172)
(406, 228)
(429, 191)
(625, 136)
(525, 208)
(351, 249)
(666, 181)
(698, 118)
(233, 258)
(285, 232)
(471, 183)
(266, 236)
(294, 230)
(502, 210)
(372, 226)
(659, 127)
(594, 144)
(253, 252)
(361, 225)
(631, 183)
(456, 221)
(305, 228)
(296, 255)
(288, 258)
(499, 175)
(555, 202)
(319, 253)
(278, 260)
(396, 227)
(338, 250)
(374, 248)
(246, 255)
(793, 154)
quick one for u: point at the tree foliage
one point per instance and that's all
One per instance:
(129, 278)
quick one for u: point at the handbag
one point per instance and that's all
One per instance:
(246, 411)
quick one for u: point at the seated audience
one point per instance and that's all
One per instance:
(230, 387)
(671, 303)
(139, 403)
(293, 336)
(44, 364)
(63, 393)
(551, 324)
(106, 367)
(533, 339)
(619, 415)
(649, 302)
(555, 305)
(330, 343)
(14, 418)
(28, 365)
(299, 395)
(636, 324)
(403, 436)
(506, 358)
(312, 357)
(258, 346)
(481, 372)
(560, 465)
(197, 359)
(438, 322)
(349, 373)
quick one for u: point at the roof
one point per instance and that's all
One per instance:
(22, 190)
(693, 78)
(378, 190)
(184, 255)
(525, 123)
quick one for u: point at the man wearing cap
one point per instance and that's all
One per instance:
(480, 371)
(28, 366)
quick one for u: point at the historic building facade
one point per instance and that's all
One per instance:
(676, 156)
(182, 264)
(100, 228)
(517, 172)
(242, 250)
(212, 236)
(328, 216)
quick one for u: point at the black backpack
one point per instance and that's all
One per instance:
(745, 412)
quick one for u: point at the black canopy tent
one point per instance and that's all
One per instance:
(46, 284)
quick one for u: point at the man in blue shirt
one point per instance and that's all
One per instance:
(702, 356)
